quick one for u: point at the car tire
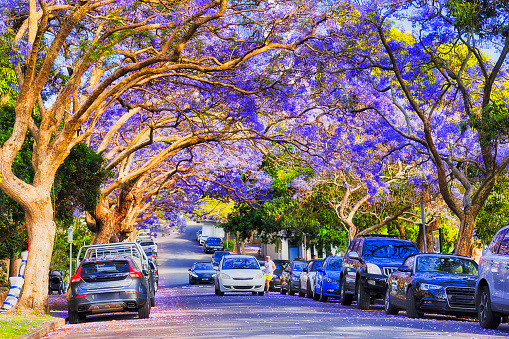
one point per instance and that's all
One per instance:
(216, 290)
(309, 293)
(316, 296)
(322, 298)
(487, 318)
(345, 299)
(411, 309)
(74, 317)
(301, 294)
(388, 306)
(191, 282)
(282, 290)
(363, 298)
(261, 293)
(152, 301)
(144, 311)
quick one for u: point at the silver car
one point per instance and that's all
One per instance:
(492, 289)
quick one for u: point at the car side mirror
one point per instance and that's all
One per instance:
(189, 270)
(353, 255)
(319, 269)
(405, 269)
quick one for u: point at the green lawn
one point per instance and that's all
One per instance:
(16, 324)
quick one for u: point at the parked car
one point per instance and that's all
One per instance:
(327, 279)
(307, 278)
(290, 278)
(150, 255)
(198, 234)
(432, 283)
(106, 285)
(366, 265)
(275, 283)
(149, 245)
(492, 289)
(202, 239)
(239, 273)
(202, 272)
(216, 257)
(153, 268)
(213, 244)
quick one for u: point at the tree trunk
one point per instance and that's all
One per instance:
(464, 243)
(41, 236)
(401, 229)
(13, 267)
(429, 239)
(104, 226)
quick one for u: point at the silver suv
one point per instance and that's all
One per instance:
(492, 289)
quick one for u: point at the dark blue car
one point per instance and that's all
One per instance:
(327, 279)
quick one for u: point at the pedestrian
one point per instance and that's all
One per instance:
(270, 267)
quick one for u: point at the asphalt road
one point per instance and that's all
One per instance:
(184, 311)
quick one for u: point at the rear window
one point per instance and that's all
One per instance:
(104, 268)
(147, 243)
(219, 254)
(213, 240)
(240, 263)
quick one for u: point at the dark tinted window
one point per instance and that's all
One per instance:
(147, 243)
(281, 265)
(497, 239)
(386, 248)
(355, 247)
(315, 264)
(299, 265)
(213, 240)
(504, 245)
(446, 265)
(203, 266)
(104, 268)
(333, 264)
(231, 263)
(409, 263)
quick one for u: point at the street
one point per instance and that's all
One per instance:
(195, 312)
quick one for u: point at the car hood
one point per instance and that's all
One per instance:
(385, 262)
(447, 280)
(333, 274)
(205, 271)
(242, 273)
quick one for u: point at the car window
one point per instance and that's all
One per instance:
(333, 264)
(316, 263)
(497, 239)
(299, 265)
(104, 267)
(446, 265)
(388, 249)
(409, 263)
(203, 266)
(281, 265)
(504, 245)
(147, 243)
(240, 263)
(213, 240)
(355, 246)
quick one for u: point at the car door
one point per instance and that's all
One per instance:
(350, 266)
(501, 275)
(405, 279)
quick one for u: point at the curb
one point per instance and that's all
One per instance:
(43, 330)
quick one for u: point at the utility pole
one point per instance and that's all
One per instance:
(69, 238)
(423, 226)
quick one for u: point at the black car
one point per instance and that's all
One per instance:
(107, 285)
(216, 258)
(369, 260)
(290, 278)
(275, 283)
(213, 244)
(433, 283)
(202, 272)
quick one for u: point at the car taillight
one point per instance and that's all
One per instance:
(157, 272)
(134, 273)
(131, 292)
(81, 296)
(77, 276)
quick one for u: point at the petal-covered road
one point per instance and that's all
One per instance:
(184, 311)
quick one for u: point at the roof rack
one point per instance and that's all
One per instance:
(372, 235)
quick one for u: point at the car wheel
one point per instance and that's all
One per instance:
(260, 293)
(487, 318)
(216, 290)
(316, 296)
(282, 290)
(344, 298)
(301, 294)
(388, 307)
(74, 317)
(152, 302)
(309, 293)
(290, 291)
(322, 298)
(144, 311)
(411, 309)
(191, 282)
(363, 299)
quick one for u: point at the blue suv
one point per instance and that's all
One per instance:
(369, 260)
(327, 279)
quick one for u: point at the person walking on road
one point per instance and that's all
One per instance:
(270, 267)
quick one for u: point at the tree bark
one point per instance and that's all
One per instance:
(41, 235)
(13, 267)
(104, 226)
(464, 244)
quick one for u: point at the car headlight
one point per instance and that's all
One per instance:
(213, 275)
(431, 287)
(194, 274)
(275, 276)
(373, 269)
(225, 276)
(331, 281)
(258, 276)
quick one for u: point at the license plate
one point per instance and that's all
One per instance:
(204, 278)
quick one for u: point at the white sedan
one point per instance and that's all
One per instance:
(239, 273)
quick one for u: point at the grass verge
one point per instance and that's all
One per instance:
(16, 324)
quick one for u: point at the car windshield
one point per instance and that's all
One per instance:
(446, 265)
(388, 249)
(281, 265)
(240, 263)
(299, 265)
(334, 264)
(203, 266)
(219, 254)
(213, 240)
(104, 267)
